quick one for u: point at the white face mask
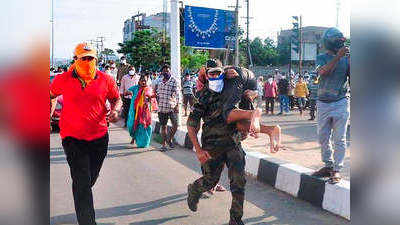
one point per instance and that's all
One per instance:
(283, 77)
(131, 72)
(123, 61)
(216, 84)
(270, 80)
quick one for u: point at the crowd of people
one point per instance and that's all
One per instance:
(291, 91)
(227, 99)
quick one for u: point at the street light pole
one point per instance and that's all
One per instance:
(301, 44)
(237, 34)
(248, 38)
(175, 45)
(52, 33)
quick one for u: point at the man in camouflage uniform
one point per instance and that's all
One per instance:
(123, 69)
(218, 148)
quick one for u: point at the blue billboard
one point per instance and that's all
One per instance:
(209, 28)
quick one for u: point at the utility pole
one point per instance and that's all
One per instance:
(248, 38)
(164, 31)
(52, 33)
(175, 46)
(337, 12)
(301, 44)
(100, 48)
(237, 33)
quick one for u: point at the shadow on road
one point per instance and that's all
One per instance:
(111, 148)
(125, 210)
(157, 221)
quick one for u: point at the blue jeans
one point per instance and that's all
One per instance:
(333, 119)
(284, 100)
(302, 103)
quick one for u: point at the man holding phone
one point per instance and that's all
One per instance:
(333, 106)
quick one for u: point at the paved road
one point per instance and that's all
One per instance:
(149, 187)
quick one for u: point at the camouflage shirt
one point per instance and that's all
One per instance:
(123, 69)
(217, 136)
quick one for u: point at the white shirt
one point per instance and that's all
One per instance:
(114, 73)
(127, 82)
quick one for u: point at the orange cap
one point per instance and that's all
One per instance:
(85, 49)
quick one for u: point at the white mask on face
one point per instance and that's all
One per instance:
(270, 80)
(216, 84)
(123, 61)
(283, 77)
(131, 72)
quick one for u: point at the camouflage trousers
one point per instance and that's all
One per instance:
(212, 169)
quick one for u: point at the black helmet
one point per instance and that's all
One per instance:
(333, 39)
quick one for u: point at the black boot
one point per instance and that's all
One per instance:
(235, 221)
(192, 199)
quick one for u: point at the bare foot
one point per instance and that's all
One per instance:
(275, 140)
(255, 123)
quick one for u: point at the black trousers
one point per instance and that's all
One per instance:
(126, 104)
(291, 102)
(85, 159)
(269, 104)
(313, 107)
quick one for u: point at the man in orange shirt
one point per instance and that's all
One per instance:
(83, 124)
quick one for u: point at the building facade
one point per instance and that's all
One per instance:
(311, 36)
(141, 21)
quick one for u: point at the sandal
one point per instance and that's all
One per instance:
(219, 188)
(212, 191)
(335, 177)
(163, 149)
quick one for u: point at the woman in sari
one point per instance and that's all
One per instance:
(139, 118)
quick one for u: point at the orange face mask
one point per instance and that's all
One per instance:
(86, 69)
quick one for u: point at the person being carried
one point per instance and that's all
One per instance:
(239, 89)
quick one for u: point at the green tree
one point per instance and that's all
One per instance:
(107, 52)
(283, 50)
(191, 58)
(145, 49)
(263, 52)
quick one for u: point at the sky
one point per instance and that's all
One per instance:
(76, 21)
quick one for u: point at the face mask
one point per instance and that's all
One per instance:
(167, 76)
(270, 80)
(86, 69)
(123, 61)
(216, 84)
(283, 77)
(131, 72)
